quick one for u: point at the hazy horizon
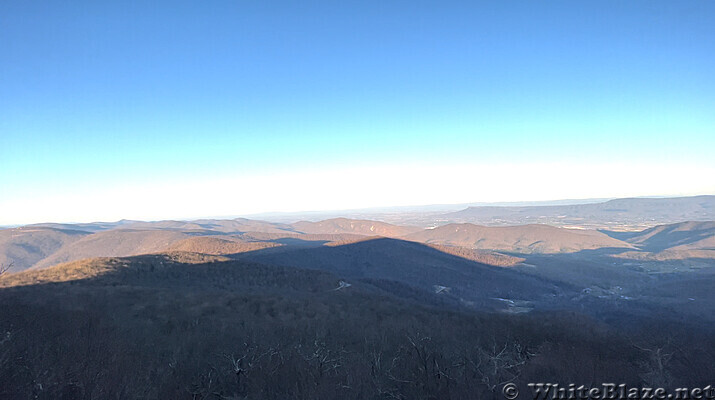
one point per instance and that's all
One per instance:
(295, 216)
(164, 110)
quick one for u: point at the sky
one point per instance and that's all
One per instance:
(178, 109)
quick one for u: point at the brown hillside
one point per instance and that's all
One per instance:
(114, 243)
(680, 241)
(93, 267)
(520, 239)
(25, 246)
(217, 246)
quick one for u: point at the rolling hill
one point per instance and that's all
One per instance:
(519, 239)
(685, 235)
(43, 245)
(25, 246)
(217, 245)
(114, 243)
(693, 239)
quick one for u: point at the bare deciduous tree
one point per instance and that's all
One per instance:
(4, 351)
(5, 268)
(497, 365)
(656, 371)
(322, 359)
(244, 362)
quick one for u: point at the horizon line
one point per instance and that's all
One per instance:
(380, 209)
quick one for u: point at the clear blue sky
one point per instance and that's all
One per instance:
(101, 94)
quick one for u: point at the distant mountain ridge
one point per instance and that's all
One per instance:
(43, 245)
(520, 239)
(361, 227)
(630, 211)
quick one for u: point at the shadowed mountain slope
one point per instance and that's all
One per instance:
(186, 326)
(686, 235)
(686, 240)
(480, 256)
(414, 264)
